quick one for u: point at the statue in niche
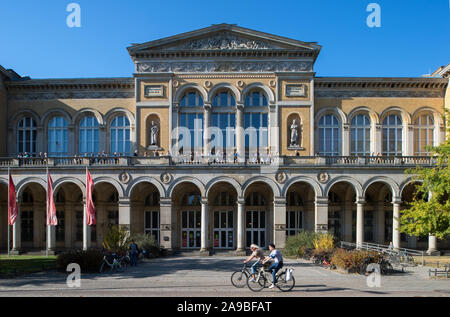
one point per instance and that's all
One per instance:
(154, 129)
(294, 134)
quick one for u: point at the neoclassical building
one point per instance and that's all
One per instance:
(222, 137)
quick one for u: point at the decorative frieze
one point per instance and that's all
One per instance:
(379, 93)
(73, 95)
(231, 66)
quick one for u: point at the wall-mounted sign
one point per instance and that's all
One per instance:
(296, 90)
(153, 91)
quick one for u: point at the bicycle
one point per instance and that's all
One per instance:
(259, 282)
(239, 278)
(116, 263)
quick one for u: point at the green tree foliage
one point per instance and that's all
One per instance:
(117, 239)
(430, 214)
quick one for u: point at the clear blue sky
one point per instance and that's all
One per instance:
(414, 37)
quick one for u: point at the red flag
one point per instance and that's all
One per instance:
(90, 208)
(12, 206)
(51, 208)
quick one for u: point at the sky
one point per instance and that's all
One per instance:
(35, 41)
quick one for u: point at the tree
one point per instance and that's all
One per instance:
(429, 212)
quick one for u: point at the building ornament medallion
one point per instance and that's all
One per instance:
(281, 177)
(166, 178)
(124, 177)
(323, 177)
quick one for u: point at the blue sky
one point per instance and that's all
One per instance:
(413, 38)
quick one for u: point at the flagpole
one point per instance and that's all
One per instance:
(48, 231)
(9, 231)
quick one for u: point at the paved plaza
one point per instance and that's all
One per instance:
(210, 276)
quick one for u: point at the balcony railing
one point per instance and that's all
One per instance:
(407, 161)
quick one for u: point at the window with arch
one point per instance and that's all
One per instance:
(120, 141)
(329, 135)
(57, 137)
(256, 120)
(392, 135)
(26, 136)
(191, 118)
(223, 117)
(224, 199)
(88, 135)
(423, 134)
(191, 199)
(360, 135)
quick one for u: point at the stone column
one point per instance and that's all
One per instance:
(378, 140)
(321, 214)
(16, 233)
(206, 120)
(166, 227)
(348, 220)
(395, 222)
(86, 229)
(71, 146)
(204, 227)
(240, 227)
(359, 222)
(345, 140)
(380, 222)
(125, 213)
(240, 135)
(279, 221)
(409, 144)
(432, 245)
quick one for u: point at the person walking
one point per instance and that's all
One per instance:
(133, 253)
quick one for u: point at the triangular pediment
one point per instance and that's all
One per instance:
(224, 37)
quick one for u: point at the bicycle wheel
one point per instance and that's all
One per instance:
(239, 279)
(387, 268)
(257, 284)
(283, 285)
(102, 266)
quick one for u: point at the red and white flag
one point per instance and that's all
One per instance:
(51, 208)
(12, 203)
(90, 208)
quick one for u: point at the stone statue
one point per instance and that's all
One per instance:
(154, 129)
(294, 133)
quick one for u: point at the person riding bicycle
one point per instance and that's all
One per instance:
(259, 255)
(277, 265)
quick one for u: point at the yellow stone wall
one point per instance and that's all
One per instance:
(304, 113)
(145, 114)
(3, 117)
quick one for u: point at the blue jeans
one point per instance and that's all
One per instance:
(274, 268)
(255, 266)
(133, 258)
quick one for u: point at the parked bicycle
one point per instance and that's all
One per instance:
(239, 278)
(285, 280)
(115, 262)
(385, 266)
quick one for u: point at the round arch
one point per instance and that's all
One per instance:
(113, 182)
(345, 179)
(374, 117)
(406, 117)
(333, 110)
(408, 181)
(304, 179)
(224, 179)
(269, 93)
(437, 117)
(190, 86)
(22, 114)
(4, 181)
(146, 179)
(395, 190)
(236, 93)
(53, 113)
(275, 189)
(64, 180)
(186, 179)
(85, 112)
(20, 186)
(111, 114)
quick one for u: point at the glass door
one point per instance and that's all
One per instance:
(256, 228)
(152, 224)
(190, 229)
(223, 230)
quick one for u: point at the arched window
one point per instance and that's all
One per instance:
(191, 118)
(423, 134)
(256, 120)
(26, 136)
(191, 199)
(360, 135)
(120, 141)
(392, 135)
(57, 137)
(88, 135)
(223, 117)
(329, 135)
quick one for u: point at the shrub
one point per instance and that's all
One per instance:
(323, 243)
(147, 242)
(299, 244)
(352, 260)
(89, 261)
(117, 240)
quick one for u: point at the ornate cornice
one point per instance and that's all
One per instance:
(379, 83)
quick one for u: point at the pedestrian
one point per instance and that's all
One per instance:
(133, 253)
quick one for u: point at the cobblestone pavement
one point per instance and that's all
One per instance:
(210, 276)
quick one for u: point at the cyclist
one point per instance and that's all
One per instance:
(278, 262)
(259, 255)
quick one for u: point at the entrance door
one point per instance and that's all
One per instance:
(191, 229)
(223, 230)
(152, 224)
(256, 228)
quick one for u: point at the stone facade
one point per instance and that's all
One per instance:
(194, 201)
